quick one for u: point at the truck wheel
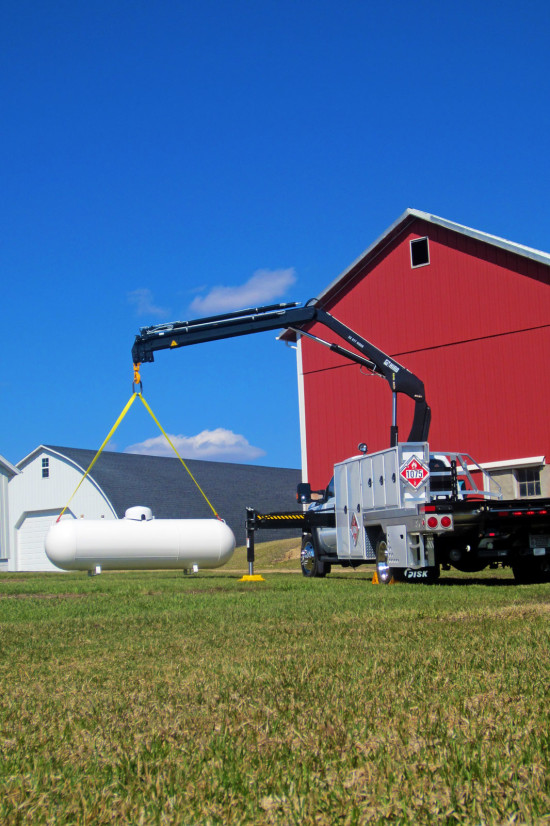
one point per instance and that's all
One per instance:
(531, 570)
(434, 573)
(310, 562)
(383, 570)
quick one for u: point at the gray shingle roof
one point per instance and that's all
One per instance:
(163, 485)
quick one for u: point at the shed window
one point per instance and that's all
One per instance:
(45, 468)
(528, 480)
(420, 252)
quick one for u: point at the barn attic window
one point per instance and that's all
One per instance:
(45, 468)
(420, 252)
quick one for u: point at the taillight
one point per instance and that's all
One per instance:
(538, 512)
(438, 522)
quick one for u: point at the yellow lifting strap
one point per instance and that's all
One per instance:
(126, 408)
(167, 437)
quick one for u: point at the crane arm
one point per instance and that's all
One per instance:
(294, 317)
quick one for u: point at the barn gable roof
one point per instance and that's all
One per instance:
(401, 224)
(162, 484)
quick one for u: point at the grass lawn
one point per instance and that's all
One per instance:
(159, 698)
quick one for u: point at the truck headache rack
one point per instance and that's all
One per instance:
(453, 476)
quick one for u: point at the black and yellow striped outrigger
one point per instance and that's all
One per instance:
(291, 519)
(282, 520)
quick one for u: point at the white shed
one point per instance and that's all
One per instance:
(41, 489)
(7, 472)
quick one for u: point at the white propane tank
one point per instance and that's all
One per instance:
(139, 542)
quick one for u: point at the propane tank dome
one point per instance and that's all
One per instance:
(139, 514)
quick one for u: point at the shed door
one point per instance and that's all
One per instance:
(31, 534)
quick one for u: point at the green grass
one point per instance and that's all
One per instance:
(156, 698)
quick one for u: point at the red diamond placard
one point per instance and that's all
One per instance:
(414, 472)
(354, 528)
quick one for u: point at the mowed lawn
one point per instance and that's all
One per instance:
(159, 698)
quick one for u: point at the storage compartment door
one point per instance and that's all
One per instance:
(341, 494)
(367, 487)
(356, 530)
(350, 533)
(390, 479)
(379, 488)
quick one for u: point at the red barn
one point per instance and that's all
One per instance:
(467, 312)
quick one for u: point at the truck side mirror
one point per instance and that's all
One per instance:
(303, 493)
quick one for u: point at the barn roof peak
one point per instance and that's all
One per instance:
(408, 217)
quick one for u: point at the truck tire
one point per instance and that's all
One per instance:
(309, 559)
(383, 570)
(531, 570)
(434, 572)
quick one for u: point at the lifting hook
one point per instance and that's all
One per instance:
(137, 378)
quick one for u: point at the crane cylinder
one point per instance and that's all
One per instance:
(139, 542)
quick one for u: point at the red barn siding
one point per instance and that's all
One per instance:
(474, 324)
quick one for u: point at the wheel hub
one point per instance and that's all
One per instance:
(308, 556)
(382, 568)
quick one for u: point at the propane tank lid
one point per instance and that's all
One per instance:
(139, 513)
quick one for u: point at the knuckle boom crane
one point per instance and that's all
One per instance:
(298, 318)
(405, 509)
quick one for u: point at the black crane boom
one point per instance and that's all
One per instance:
(298, 318)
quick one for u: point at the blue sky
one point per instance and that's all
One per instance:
(163, 160)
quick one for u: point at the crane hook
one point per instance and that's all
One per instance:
(137, 378)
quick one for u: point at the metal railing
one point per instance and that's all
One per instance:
(451, 477)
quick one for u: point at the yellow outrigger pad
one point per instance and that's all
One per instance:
(252, 578)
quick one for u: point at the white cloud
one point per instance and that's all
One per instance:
(262, 288)
(142, 299)
(219, 445)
